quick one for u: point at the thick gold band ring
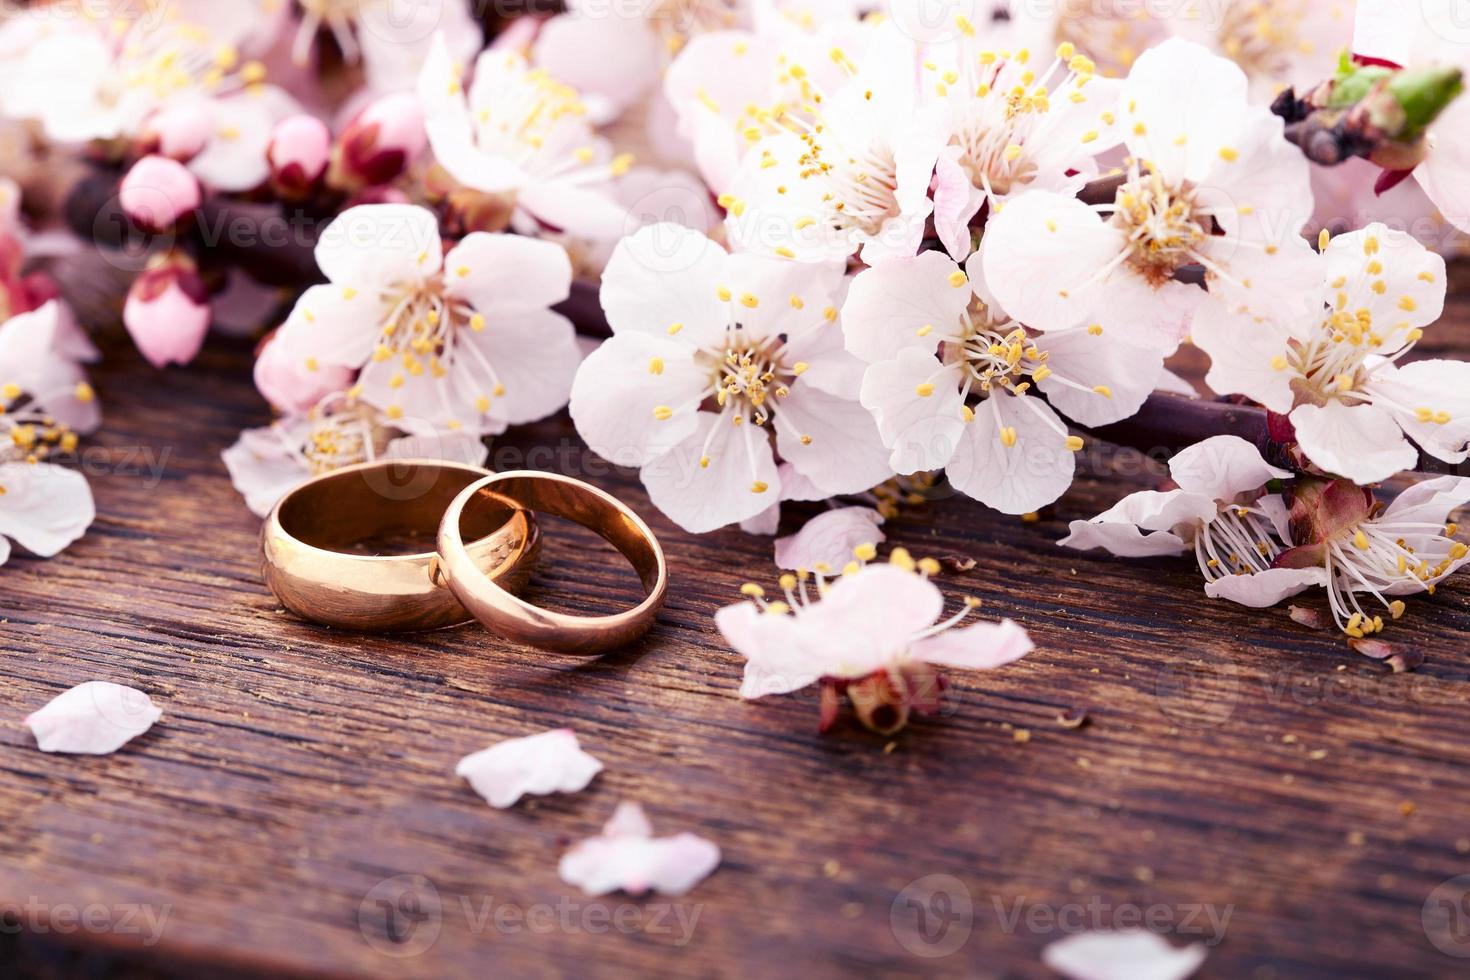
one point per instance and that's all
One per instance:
(510, 617)
(323, 546)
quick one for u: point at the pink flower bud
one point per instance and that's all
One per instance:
(179, 132)
(382, 141)
(158, 191)
(293, 383)
(167, 312)
(299, 151)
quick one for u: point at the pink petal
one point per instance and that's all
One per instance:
(625, 858)
(828, 540)
(978, 647)
(551, 762)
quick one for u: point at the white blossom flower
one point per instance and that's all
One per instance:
(464, 340)
(551, 762)
(950, 379)
(1335, 366)
(1221, 512)
(849, 172)
(45, 401)
(1014, 123)
(267, 462)
(95, 718)
(1407, 548)
(627, 857)
(1210, 181)
(1129, 954)
(713, 356)
(521, 133)
(874, 634)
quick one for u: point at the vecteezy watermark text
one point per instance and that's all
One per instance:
(96, 918)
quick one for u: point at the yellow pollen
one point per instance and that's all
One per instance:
(1229, 154)
(675, 328)
(663, 413)
(759, 487)
(924, 390)
(865, 552)
(749, 301)
(957, 278)
(656, 365)
(1360, 540)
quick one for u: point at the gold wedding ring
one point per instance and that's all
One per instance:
(324, 546)
(510, 617)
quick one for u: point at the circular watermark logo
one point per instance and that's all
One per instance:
(1446, 917)
(401, 916)
(933, 916)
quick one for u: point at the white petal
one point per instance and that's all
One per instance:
(1190, 102)
(1442, 174)
(1129, 372)
(1044, 256)
(1221, 467)
(535, 357)
(1437, 385)
(636, 864)
(45, 507)
(500, 273)
(617, 395)
(1242, 350)
(1123, 540)
(95, 718)
(666, 275)
(1399, 281)
(327, 326)
(739, 482)
(890, 304)
(1021, 478)
(1362, 442)
(573, 205)
(979, 647)
(1428, 502)
(923, 432)
(263, 466)
(1133, 954)
(829, 539)
(762, 290)
(375, 245)
(831, 441)
(457, 446)
(1264, 589)
(551, 762)
(617, 58)
(770, 645)
(867, 620)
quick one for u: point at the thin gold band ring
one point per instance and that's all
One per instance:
(515, 619)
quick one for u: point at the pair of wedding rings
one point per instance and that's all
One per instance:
(323, 550)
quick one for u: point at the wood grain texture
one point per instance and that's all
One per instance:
(1232, 759)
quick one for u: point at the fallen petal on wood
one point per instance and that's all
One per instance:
(629, 858)
(1130, 954)
(551, 762)
(95, 718)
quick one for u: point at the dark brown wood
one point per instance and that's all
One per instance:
(1231, 758)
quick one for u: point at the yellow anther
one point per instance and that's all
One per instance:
(1407, 304)
(759, 487)
(1075, 443)
(865, 552)
(749, 301)
(1360, 540)
(675, 328)
(800, 368)
(724, 294)
(929, 566)
(752, 591)
(1229, 154)
(655, 365)
(663, 413)
(901, 558)
(1104, 390)
(1008, 436)
(957, 278)
(1396, 608)
(924, 390)
(477, 322)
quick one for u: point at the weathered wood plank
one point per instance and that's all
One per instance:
(296, 768)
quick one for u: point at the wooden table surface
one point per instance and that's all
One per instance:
(1241, 780)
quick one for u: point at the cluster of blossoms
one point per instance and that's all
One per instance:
(861, 250)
